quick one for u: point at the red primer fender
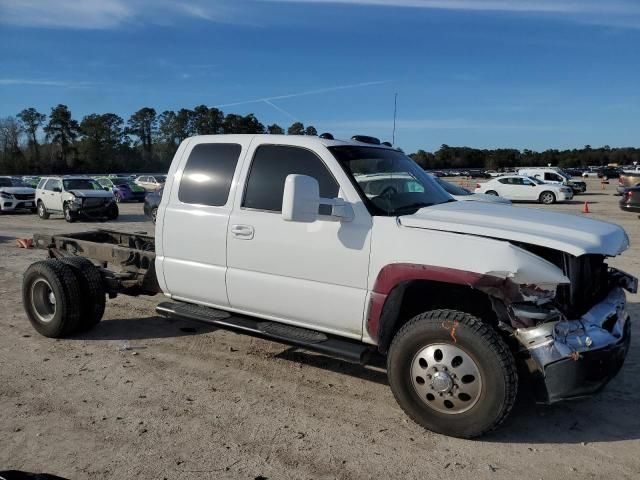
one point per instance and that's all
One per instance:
(392, 275)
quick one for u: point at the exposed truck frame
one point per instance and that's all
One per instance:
(126, 263)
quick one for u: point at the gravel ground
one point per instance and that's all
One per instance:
(187, 401)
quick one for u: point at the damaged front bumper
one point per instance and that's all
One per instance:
(576, 358)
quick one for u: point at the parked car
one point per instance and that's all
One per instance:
(608, 173)
(556, 176)
(151, 204)
(151, 183)
(627, 180)
(455, 295)
(74, 197)
(630, 200)
(123, 189)
(15, 195)
(520, 188)
(462, 194)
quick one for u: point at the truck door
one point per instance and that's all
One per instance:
(308, 274)
(197, 201)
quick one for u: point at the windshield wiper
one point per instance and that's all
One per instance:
(413, 206)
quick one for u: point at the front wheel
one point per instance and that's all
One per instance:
(452, 374)
(113, 212)
(492, 192)
(547, 198)
(42, 211)
(69, 215)
(154, 214)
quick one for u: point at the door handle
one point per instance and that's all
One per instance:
(243, 232)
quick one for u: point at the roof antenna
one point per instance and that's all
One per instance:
(395, 112)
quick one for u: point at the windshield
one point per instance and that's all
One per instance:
(11, 182)
(161, 178)
(452, 188)
(536, 181)
(389, 181)
(81, 184)
(121, 181)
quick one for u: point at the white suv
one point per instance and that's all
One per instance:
(74, 197)
(15, 195)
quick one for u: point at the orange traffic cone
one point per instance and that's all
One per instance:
(585, 208)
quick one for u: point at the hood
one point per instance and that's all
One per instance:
(91, 193)
(482, 197)
(568, 233)
(18, 190)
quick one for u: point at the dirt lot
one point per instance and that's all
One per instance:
(187, 401)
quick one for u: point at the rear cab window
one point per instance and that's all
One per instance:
(208, 173)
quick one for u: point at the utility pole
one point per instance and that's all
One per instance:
(395, 113)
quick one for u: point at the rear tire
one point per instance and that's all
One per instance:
(154, 214)
(118, 198)
(452, 374)
(42, 211)
(547, 198)
(93, 301)
(492, 192)
(51, 298)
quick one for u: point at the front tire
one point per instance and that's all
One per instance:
(492, 192)
(69, 215)
(113, 212)
(547, 198)
(452, 374)
(51, 298)
(42, 211)
(154, 214)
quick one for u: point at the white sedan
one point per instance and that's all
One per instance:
(462, 194)
(520, 188)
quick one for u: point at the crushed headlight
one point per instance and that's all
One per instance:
(6, 195)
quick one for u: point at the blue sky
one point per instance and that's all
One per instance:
(484, 73)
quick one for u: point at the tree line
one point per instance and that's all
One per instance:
(105, 142)
(147, 141)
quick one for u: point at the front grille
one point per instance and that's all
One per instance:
(93, 202)
(24, 196)
(588, 275)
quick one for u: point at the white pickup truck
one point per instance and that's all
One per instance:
(273, 236)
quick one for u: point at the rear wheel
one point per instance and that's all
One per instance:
(547, 198)
(93, 296)
(154, 214)
(51, 298)
(42, 211)
(118, 198)
(492, 192)
(452, 374)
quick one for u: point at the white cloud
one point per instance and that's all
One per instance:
(620, 13)
(557, 6)
(106, 14)
(45, 83)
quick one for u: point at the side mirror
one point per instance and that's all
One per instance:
(57, 189)
(106, 189)
(301, 201)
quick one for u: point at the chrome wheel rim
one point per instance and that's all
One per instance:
(41, 209)
(547, 198)
(446, 378)
(43, 300)
(154, 214)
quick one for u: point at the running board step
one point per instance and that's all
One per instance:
(299, 337)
